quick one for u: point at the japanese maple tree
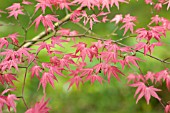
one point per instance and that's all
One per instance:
(111, 54)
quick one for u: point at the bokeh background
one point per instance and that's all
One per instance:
(116, 97)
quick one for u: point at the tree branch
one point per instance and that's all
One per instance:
(49, 30)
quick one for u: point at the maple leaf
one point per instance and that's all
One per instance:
(98, 44)
(131, 59)
(35, 71)
(142, 33)
(39, 107)
(43, 45)
(2, 103)
(94, 77)
(89, 18)
(43, 4)
(56, 69)
(9, 54)
(116, 2)
(75, 80)
(80, 46)
(162, 75)
(127, 26)
(109, 56)
(8, 78)
(134, 78)
(89, 3)
(155, 19)
(11, 101)
(128, 23)
(147, 47)
(26, 52)
(15, 13)
(64, 4)
(46, 21)
(57, 40)
(47, 77)
(108, 70)
(145, 91)
(86, 71)
(14, 6)
(74, 17)
(3, 42)
(118, 18)
(150, 76)
(105, 3)
(112, 70)
(13, 37)
(8, 64)
(63, 62)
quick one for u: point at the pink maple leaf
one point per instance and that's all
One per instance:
(118, 18)
(105, 3)
(145, 91)
(112, 70)
(116, 2)
(35, 70)
(46, 21)
(94, 77)
(8, 78)
(11, 101)
(8, 64)
(109, 56)
(43, 45)
(13, 37)
(47, 77)
(57, 40)
(3, 42)
(39, 107)
(89, 3)
(64, 4)
(86, 71)
(15, 13)
(150, 76)
(127, 26)
(80, 46)
(128, 23)
(43, 4)
(75, 80)
(131, 59)
(14, 6)
(155, 19)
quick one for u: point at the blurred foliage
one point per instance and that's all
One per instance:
(115, 97)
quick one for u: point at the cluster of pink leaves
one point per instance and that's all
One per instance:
(9, 100)
(158, 5)
(142, 82)
(108, 53)
(158, 30)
